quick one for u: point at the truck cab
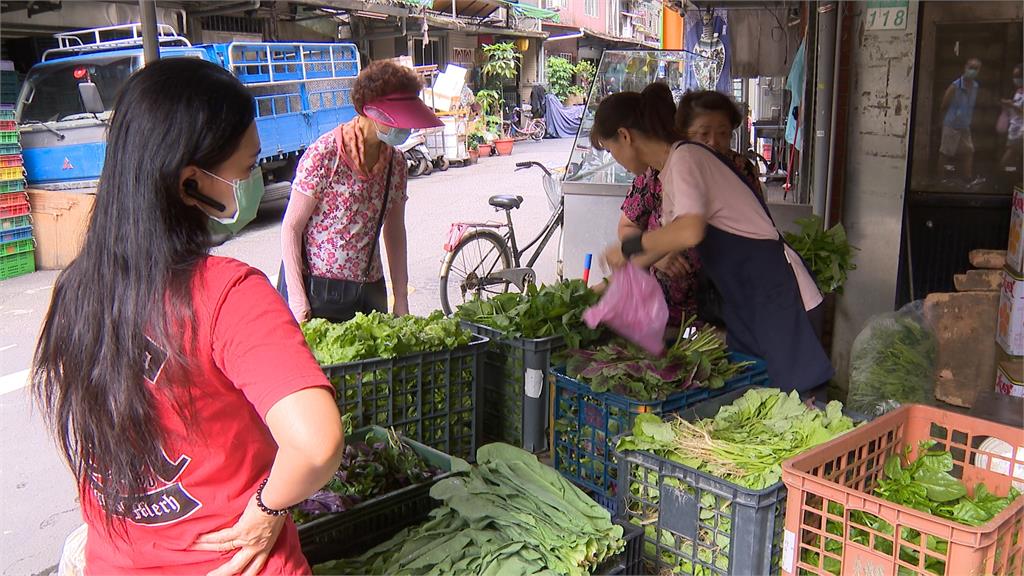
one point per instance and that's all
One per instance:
(301, 90)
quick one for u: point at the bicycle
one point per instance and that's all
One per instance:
(484, 259)
(534, 128)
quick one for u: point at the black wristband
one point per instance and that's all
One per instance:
(263, 507)
(632, 246)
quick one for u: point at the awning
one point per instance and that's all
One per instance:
(629, 42)
(467, 8)
(447, 23)
(484, 8)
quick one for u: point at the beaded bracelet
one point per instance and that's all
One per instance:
(263, 507)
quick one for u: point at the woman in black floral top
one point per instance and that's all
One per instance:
(707, 117)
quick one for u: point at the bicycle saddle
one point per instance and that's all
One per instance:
(506, 202)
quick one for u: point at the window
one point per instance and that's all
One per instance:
(54, 88)
(590, 8)
(554, 4)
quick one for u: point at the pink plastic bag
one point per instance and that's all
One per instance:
(634, 307)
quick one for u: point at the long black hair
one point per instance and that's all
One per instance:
(649, 112)
(129, 292)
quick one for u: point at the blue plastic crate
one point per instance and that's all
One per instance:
(586, 422)
(23, 233)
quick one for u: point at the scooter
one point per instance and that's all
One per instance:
(417, 155)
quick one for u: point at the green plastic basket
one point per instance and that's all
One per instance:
(15, 222)
(17, 264)
(6, 187)
(17, 247)
(10, 137)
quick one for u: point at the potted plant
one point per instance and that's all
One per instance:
(474, 140)
(502, 64)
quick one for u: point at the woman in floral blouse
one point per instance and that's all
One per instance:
(707, 117)
(349, 187)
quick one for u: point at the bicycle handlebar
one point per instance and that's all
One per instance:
(531, 164)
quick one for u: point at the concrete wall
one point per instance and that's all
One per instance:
(573, 15)
(81, 15)
(878, 138)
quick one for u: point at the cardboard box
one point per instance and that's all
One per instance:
(1015, 250)
(59, 221)
(1010, 377)
(1010, 324)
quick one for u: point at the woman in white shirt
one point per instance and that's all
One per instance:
(766, 291)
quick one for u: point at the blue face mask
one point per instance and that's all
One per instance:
(394, 136)
(971, 73)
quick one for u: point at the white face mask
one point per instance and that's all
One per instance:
(393, 136)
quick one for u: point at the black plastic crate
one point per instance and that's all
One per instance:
(710, 526)
(515, 393)
(430, 397)
(587, 422)
(373, 521)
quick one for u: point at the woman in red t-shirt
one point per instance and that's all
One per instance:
(178, 384)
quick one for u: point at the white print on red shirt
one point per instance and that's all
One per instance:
(167, 501)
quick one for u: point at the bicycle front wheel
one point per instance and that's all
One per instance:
(466, 271)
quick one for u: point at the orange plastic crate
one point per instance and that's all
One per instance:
(10, 160)
(830, 490)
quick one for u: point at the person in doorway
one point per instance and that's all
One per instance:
(1015, 126)
(956, 146)
(349, 187)
(179, 387)
(765, 289)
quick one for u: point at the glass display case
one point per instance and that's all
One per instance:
(594, 184)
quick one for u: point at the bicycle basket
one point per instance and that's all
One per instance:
(553, 190)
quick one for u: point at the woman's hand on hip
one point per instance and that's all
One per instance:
(254, 536)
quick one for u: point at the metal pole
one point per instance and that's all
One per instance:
(150, 43)
(823, 79)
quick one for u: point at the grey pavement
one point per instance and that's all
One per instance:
(38, 507)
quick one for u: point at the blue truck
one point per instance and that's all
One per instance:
(302, 90)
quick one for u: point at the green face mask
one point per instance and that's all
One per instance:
(248, 194)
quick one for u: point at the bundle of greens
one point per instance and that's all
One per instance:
(623, 368)
(828, 253)
(745, 443)
(368, 469)
(555, 310)
(892, 362)
(509, 515)
(924, 484)
(378, 335)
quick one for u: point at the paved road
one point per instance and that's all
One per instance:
(37, 497)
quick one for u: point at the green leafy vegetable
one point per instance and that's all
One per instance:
(892, 363)
(827, 253)
(378, 335)
(927, 485)
(555, 310)
(745, 443)
(509, 515)
(621, 367)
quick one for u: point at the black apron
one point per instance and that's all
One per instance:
(761, 305)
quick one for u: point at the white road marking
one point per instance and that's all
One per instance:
(6, 348)
(12, 382)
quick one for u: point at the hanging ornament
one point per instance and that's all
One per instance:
(708, 69)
